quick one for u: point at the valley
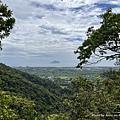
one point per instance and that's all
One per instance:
(63, 75)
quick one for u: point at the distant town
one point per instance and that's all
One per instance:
(64, 75)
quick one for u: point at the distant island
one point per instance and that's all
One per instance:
(55, 62)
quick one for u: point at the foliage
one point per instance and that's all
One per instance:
(99, 100)
(16, 108)
(102, 43)
(46, 95)
(6, 21)
(87, 99)
(81, 102)
(60, 116)
(108, 97)
(5, 112)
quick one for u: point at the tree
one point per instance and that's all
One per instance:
(107, 98)
(102, 43)
(14, 108)
(6, 21)
(81, 103)
(94, 101)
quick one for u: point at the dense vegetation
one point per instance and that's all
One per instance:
(47, 95)
(14, 108)
(28, 97)
(98, 100)
(45, 100)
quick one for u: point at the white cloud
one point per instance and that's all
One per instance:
(50, 29)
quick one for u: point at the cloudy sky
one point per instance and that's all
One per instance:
(51, 30)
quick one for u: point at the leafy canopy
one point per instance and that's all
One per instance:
(101, 43)
(6, 21)
(101, 97)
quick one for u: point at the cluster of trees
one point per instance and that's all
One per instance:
(85, 100)
(88, 100)
(98, 100)
(46, 95)
(14, 108)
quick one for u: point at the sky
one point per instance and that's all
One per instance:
(51, 30)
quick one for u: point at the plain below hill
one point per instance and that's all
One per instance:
(46, 95)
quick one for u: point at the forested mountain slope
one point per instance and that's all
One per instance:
(47, 95)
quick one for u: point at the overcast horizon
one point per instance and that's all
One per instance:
(51, 30)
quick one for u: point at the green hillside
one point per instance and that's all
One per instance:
(47, 95)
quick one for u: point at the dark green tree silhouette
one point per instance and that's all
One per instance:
(101, 43)
(6, 22)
